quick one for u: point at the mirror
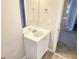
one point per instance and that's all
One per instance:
(32, 12)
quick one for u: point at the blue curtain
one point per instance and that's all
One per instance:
(22, 13)
(72, 15)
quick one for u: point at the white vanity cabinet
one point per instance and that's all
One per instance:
(35, 45)
(35, 50)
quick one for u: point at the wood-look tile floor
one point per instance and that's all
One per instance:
(62, 52)
(65, 51)
(50, 55)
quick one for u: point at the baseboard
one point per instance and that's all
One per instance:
(57, 54)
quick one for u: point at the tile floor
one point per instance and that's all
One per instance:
(62, 52)
(66, 51)
(50, 55)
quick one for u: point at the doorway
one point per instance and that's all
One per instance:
(67, 44)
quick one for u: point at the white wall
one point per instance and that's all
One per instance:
(11, 30)
(48, 20)
(51, 19)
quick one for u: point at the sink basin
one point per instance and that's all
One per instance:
(34, 33)
(37, 33)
